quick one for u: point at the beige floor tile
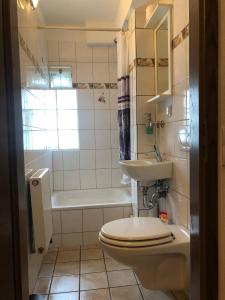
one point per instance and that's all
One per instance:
(92, 266)
(68, 268)
(102, 294)
(126, 293)
(50, 257)
(63, 284)
(91, 254)
(66, 256)
(121, 278)
(156, 295)
(46, 270)
(93, 246)
(113, 265)
(93, 281)
(52, 250)
(69, 248)
(64, 296)
(42, 286)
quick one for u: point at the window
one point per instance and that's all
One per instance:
(50, 119)
(60, 77)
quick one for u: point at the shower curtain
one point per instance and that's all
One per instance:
(123, 96)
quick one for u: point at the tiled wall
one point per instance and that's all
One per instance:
(81, 226)
(142, 88)
(168, 136)
(33, 66)
(95, 164)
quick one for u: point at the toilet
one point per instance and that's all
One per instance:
(159, 254)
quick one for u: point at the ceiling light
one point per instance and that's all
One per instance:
(34, 3)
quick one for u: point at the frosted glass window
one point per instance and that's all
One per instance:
(68, 139)
(50, 119)
(60, 77)
(67, 99)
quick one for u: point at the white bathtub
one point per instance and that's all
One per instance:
(92, 198)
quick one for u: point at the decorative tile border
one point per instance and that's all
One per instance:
(148, 62)
(180, 37)
(31, 57)
(86, 86)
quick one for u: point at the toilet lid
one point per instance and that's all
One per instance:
(136, 229)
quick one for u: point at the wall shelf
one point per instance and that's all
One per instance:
(156, 11)
(159, 98)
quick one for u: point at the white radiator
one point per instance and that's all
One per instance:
(41, 209)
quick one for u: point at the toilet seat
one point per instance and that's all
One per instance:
(136, 232)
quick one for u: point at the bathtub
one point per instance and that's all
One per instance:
(91, 198)
(79, 215)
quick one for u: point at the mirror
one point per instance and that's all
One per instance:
(163, 56)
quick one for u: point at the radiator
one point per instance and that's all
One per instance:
(41, 209)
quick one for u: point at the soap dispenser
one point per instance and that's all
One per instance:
(149, 124)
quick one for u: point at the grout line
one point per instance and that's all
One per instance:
(53, 273)
(79, 271)
(110, 295)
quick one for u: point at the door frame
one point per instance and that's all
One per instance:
(204, 148)
(13, 209)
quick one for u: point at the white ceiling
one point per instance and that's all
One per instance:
(72, 12)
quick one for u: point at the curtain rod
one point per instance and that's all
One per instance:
(80, 28)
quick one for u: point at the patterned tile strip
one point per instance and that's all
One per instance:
(180, 37)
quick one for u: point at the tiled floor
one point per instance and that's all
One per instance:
(87, 274)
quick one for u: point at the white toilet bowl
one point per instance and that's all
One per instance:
(158, 253)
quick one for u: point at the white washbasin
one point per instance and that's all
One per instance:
(147, 169)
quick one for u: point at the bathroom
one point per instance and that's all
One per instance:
(107, 147)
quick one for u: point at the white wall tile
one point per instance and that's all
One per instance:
(145, 43)
(71, 239)
(100, 72)
(114, 138)
(56, 221)
(88, 179)
(127, 211)
(87, 139)
(71, 180)
(143, 108)
(70, 159)
(145, 141)
(90, 238)
(179, 64)
(112, 54)
(180, 176)
(101, 93)
(83, 52)
(100, 54)
(145, 81)
(102, 139)
(85, 99)
(56, 241)
(115, 158)
(87, 159)
(67, 51)
(102, 119)
(113, 119)
(92, 219)
(113, 72)
(103, 159)
(104, 178)
(58, 180)
(71, 221)
(112, 213)
(85, 119)
(179, 13)
(84, 73)
(57, 160)
(113, 98)
(53, 51)
(116, 177)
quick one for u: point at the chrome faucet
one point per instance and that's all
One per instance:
(157, 153)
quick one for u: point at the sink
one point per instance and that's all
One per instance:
(148, 169)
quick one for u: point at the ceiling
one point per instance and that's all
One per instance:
(72, 12)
